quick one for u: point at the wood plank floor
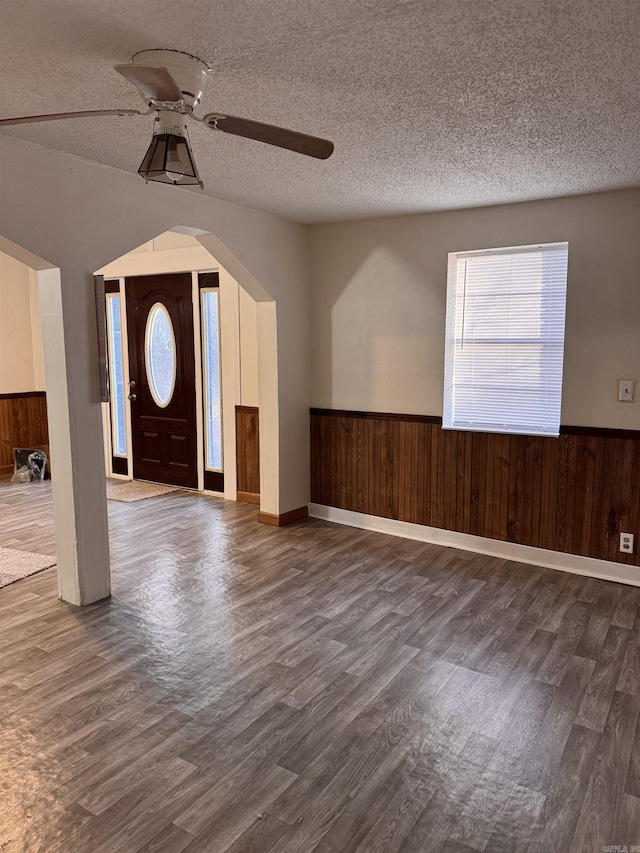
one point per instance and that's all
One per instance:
(252, 689)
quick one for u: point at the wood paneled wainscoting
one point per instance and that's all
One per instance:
(575, 493)
(23, 423)
(248, 453)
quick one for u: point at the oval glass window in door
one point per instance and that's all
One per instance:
(160, 355)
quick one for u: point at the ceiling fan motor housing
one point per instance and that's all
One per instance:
(168, 121)
(188, 71)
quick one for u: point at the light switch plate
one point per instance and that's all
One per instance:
(626, 388)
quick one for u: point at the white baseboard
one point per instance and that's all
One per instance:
(602, 569)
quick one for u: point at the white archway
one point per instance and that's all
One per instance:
(80, 216)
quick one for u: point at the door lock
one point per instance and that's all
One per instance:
(131, 395)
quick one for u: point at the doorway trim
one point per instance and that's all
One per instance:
(230, 375)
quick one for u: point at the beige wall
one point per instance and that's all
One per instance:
(378, 303)
(21, 358)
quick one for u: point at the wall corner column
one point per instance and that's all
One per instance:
(75, 435)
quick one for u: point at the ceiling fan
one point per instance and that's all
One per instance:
(171, 81)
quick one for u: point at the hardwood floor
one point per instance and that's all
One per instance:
(252, 689)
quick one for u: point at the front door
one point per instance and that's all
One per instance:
(163, 382)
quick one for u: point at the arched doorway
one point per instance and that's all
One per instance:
(79, 496)
(172, 307)
(80, 216)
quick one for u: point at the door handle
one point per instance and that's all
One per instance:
(132, 396)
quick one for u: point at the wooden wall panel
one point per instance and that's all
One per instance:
(23, 423)
(248, 453)
(574, 493)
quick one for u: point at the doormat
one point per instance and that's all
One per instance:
(15, 565)
(135, 490)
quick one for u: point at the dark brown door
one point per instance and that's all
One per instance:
(162, 373)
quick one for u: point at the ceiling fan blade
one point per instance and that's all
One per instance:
(154, 83)
(312, 146)
(82, 114)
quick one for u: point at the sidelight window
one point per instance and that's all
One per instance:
(116, 374)
(210, 312)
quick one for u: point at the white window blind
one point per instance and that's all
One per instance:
(504, 341)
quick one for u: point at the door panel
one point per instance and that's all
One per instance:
(163, 418)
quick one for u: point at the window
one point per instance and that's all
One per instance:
(116, 373)
(160, 355)
(210, 310)
(505, 339)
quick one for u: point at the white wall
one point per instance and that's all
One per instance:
(378, 303)
(21, 357)
(160, 256)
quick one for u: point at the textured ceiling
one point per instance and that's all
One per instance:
(431, 104)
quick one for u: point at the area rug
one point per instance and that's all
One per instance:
(15, 565)
(135, 490)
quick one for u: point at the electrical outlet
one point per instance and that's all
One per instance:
(626, 543)
(626, 390)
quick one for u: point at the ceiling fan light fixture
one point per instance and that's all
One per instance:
(169, 159)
